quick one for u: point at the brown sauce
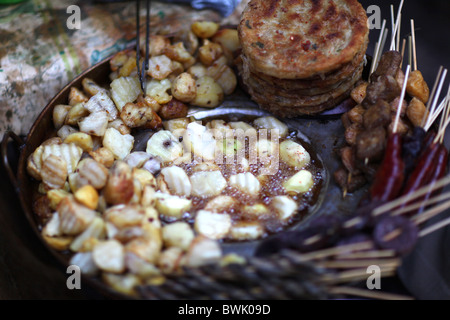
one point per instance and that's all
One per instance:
(270, 187)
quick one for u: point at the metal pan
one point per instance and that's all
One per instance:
(323, 135)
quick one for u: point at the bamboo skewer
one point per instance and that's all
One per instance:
(410, 50)
(434, 228)
(444, 119)
(399, 34)
(403, 52)
(446, 122)
(326, 253)
(378, 47)
(431, 213)
(368, 254)
(355, 275)
(435, 99)
(392, 18)
(415, 206)
(370, 294)
(397, 23)
(410, 197)
(402, 97)
(351, 264)
(413, 35)
(433, 92)
(433, 117)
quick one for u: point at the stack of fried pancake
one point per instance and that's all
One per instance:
(302, 57)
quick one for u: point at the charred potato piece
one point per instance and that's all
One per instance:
(137, 115)
(119, 188)
(160, 67)
(177, 52)
(228, 38)
(184, 87)
(209, 93)
(209, 52)
(90, 87)
(173, 110)
(204, 29)
(75, 114)
(103, 156)
(76, 96)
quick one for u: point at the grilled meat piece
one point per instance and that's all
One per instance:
(388, 66)
(378, 115)
(384, 88)
(370, 144)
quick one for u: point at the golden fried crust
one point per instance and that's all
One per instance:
(296, 39)
(311, 87)
(284, 99)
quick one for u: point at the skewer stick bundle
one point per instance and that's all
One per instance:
(397, 24)
(378, 47)
(402, 97)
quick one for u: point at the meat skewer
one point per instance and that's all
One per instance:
(389, 179)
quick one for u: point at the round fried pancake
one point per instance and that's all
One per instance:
(318, 83)
(296, 39)
(313, 92)
(293, 90)
(264, 93)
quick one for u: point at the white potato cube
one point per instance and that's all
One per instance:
(203, 251)
(294, 154)
(301, 182)
(207, 183)
(164, 145)
(177, 180)
(246, 230)
(199, 140)
(95, 124)
(284, 206)
(109, 256)
(119, 144)
(172, 206)
(178, 234)
(212, 225)
(102, 102)
(124, 90)
(245, 182)
(272, 123)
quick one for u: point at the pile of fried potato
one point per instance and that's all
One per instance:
(122, 212)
